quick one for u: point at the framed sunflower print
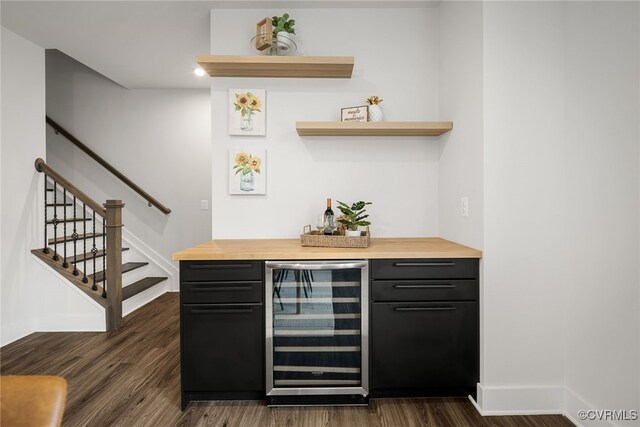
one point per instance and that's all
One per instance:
(247, 109)
(248, 172)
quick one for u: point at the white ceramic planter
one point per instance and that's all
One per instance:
(350, 233)
(284, 41)
(375, 113)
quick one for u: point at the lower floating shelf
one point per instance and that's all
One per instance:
(373, 128)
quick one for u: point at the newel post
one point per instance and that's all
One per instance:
(114, 263)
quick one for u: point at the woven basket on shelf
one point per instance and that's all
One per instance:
(314, 238)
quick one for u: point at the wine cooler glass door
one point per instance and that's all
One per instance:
(317, 327)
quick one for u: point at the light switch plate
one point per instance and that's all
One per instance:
(204, 205)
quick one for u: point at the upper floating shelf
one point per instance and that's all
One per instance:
(373, 128)
(332, 67)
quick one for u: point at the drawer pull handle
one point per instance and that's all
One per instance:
(424, 309)
(217, 282)
(424, 264)
(221, 310)
(223, 289)
(441, 286)
(219, 266)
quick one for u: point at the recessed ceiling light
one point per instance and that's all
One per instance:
(199, 72)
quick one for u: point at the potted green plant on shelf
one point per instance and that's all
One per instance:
(282, 30)
(354, 217)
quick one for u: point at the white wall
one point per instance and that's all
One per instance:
(524, 161)
(561, 327)
(461, 157)
(33, 298)
(22, 142)
(399, 175)
(160, 139)
(602, 310)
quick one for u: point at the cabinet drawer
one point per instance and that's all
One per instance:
(424, 345)
(220, 270)
(456, 268)
(221, 292)
(424, 290)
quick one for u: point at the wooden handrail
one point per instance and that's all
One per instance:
(41, 166)
(107, 166)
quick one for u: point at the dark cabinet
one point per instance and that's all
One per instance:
(221, 330)
(222, 347)
(424, 327)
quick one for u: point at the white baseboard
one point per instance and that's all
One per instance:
(520, 400)
(536, 400)
(72, 323)
(14, 331)
(574, 404)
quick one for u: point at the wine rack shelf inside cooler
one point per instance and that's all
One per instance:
(317, 330)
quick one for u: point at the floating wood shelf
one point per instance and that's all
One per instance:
(277, 66)
(373, 128)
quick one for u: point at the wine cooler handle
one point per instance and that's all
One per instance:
(424, 309)
(316, 265)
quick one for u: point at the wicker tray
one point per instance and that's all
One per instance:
(314, 238)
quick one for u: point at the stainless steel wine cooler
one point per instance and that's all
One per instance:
(317, 331)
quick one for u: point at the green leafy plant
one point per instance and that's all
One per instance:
(354, 215)
(282, 23)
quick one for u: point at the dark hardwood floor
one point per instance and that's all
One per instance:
(131, 377)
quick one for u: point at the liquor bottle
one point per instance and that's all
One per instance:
(329, 219)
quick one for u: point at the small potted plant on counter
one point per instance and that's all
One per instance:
(282, 30)
(354, 217)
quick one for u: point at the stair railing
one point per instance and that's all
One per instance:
(107, 285)
(151, 201)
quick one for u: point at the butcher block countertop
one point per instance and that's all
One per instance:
(288, 249)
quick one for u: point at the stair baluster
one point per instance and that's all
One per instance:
(75, 238)
(104, 258)
(94, 251)
(65, 262)
(84, 244)
(55, 221)
(45, 248)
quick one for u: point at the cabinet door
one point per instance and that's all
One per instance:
(222, 347)
(424, 345)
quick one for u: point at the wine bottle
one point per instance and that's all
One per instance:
(329, 219)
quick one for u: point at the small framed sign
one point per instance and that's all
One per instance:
(355, 114)
(264, 34)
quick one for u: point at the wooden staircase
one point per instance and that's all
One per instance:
(72, 218)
